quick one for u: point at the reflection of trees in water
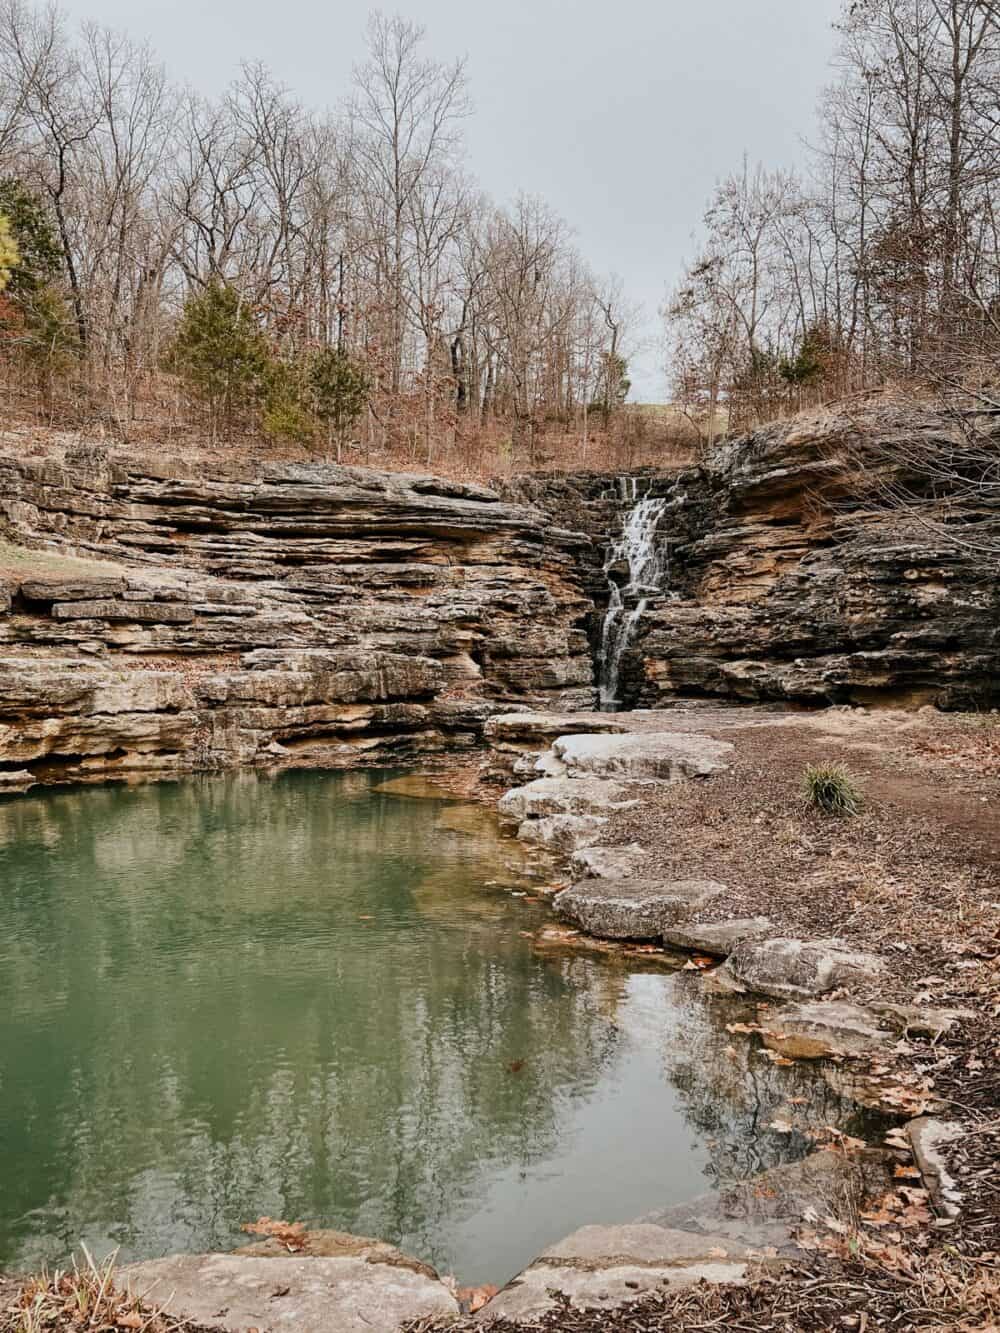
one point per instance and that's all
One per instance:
(732, 1092)
(195, 1027)
(213, 1048)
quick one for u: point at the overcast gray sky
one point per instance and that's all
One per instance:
(622, 113)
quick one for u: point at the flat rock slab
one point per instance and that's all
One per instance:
(718, 939)
(790, 969)
(72, 589)
(565, 796)
(324, 1295)
(666, 756)
(822, 1028)
(605, 1267)
(633, 909)
(154, 613)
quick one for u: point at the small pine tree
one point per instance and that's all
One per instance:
(219, 352)
(339, 388)
(286, 409)
(9, 254)
(39, 259)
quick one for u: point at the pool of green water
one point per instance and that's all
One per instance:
(310, 998)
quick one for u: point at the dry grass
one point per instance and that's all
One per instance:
(830, 789)
(84, 1299)
(953, 1293)
(647, 435)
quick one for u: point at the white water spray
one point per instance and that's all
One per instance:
(647, 572)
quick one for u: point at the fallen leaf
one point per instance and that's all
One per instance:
(474, 1298)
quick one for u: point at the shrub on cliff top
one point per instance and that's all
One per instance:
(9, 255)
(831, 789)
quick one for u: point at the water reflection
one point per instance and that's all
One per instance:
(233, 996)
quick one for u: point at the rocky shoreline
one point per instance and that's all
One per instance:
(819, 999)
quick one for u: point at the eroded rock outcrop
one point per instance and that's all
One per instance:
(790, 576)
(291, 615)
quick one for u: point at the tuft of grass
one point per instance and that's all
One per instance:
(831, 789)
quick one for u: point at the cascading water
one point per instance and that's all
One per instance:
(646, 558)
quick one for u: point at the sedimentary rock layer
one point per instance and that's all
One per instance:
(792, 575)
(295, 614)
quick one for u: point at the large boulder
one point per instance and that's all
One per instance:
(789, 969)
(633, 909)
(351, 1293)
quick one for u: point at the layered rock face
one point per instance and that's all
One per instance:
(330, 615)
(791, 578)
(297, 615)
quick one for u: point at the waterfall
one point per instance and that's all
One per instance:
(647, 571)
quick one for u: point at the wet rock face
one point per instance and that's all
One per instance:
(787, 581)
(294, 615)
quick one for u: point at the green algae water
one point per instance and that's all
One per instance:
(315, 999)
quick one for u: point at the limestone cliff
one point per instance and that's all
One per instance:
(332, 615)
(295, 615)
(792, 578)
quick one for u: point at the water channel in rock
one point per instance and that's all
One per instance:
(311, 997)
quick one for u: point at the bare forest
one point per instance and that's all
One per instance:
(243, 272)
(247, 273)
(879, 266)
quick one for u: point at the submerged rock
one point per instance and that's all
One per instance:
(633, 909)
(350, 1294)
(765, 1209)
(821, 1028)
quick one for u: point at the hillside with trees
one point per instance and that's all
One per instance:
(879, 266)
(245, 269)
